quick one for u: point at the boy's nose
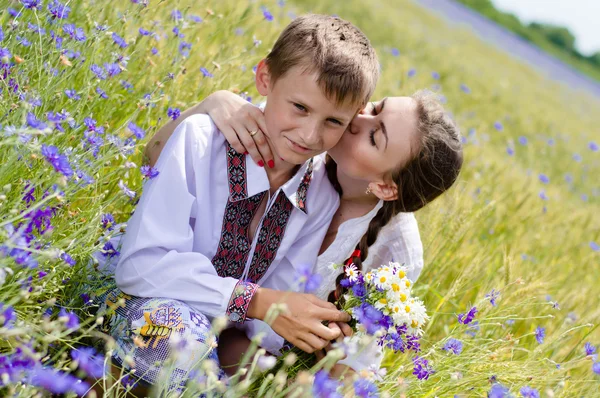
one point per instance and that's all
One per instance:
(311, 135)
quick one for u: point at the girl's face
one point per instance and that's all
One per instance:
(379, 140)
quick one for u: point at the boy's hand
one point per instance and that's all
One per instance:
(301, 324)
(242, 124)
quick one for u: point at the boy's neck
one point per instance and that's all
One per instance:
(280, 174)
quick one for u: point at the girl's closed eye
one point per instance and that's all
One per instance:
(372, 137)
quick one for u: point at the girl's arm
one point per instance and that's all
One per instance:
(235, 118)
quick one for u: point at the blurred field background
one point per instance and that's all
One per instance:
(522, 221)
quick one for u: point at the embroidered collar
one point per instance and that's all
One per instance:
(247, 179)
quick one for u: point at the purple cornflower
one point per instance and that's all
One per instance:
(89, 361)
(435, 75)
(467, 318)
(544, 178)
(149, 171)
(58, 10)
(523, 140)
(126, 190)
(34, 123)
(412, 72)
(69, 318)
(184, 48)
(359, 290)
(365, 389)
(8, 316)
(395, 52)
(176, 15)
(28, 194)
(137, 131)
(67, 259)
(596, 368)
(311, 281)
(453, 345)
(268, 16)
(498, 126)
(529, 392)
(540, 333)
(493, 296)
(465, 89)
(112, 69)
(173, 113)
(72, 94)
(119, 40)
(593, 147)
(101, 93)
(205, 72)
(109, 251)
(75, 33)
(595, 247)
(195, 18)
(324, 387)
(144, 32)
(108, 221)
(1, 34)
(422, 369)
(31, 3)
(509, 150)
(498, 391)
(98, 71)
(589, 349)
(59, 161)
(57, 382)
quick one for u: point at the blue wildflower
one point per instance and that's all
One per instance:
(34, 123)
(596, 368)
(550, 141)
(411, 72)
(498, 391)
(176, 15)
(422, 369)
(593, 146)
(1, 34)
(69, 318)
(595, 247)
(128, 192)
(68, 259)
(435, 75)
(149, 172)
(7, 316)
(144, 32)
(268, 16)
(543, 195)
(529, 392)
(59, 161)
(465, 89)
(467, 318)
(498, 126)
(453, 345)
(306, 278)
(395, 52)
(154, 50)
(523, 140)
(184, 48)
(72, 94)
(35, 28)
(98, 71)
(108, 221)
(173, 113)
(577, 157)
(23, 41)
(324, 387)
(137, 131)
(544, 178)
(119, 40)
(365, 388)
(510, 150)
(359, 290)
(109, 251)
(493, 296)
(31, 3)
(195, 18)
(58, 10)
(540, 333)
(101, 93)
(205, 72)
(89, 361)
(57, 382)
(112, 69)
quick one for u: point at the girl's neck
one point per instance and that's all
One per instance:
(354, 191)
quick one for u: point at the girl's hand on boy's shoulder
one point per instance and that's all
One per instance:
(242, 124)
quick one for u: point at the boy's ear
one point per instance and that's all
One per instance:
(263, 78)
(386, 191)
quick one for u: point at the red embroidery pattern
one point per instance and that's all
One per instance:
(303, 187)
(240, 301)
(270, 236)
(234, 244)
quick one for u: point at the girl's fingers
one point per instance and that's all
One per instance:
(233, 139)
(248, 140)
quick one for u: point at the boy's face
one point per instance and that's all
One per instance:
(301, 121)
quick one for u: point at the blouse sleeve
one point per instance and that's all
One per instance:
(157, 257)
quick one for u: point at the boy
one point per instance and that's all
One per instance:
(211, 227)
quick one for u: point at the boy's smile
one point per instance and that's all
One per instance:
(302, 122)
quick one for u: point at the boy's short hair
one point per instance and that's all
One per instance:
(337, 51)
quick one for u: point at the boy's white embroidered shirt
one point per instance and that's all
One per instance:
(177, 228)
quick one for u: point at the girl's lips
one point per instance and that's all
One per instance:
(297, 148)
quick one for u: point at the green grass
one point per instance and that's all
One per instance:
(491, 231)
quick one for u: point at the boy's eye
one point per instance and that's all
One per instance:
(300, 107)
(335, 121)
